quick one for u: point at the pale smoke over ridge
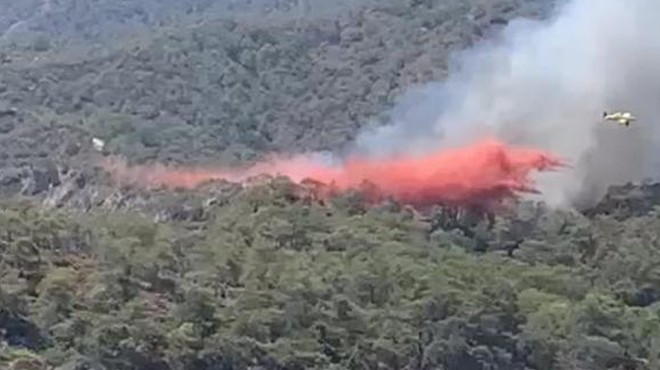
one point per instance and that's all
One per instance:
(547, 84)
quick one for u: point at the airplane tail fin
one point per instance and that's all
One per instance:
(604, 114)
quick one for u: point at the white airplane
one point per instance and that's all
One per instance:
(98, 144)
(622, 118)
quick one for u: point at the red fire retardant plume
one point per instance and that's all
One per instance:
(485, 172)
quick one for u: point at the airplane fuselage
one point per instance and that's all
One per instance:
(622, 118)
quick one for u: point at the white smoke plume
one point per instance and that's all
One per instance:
(547, 83)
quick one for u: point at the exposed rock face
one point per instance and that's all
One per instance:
(8, 120)
(41, 178)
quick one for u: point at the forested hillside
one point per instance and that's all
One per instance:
(229, 89)
(94, 276)
(263, 279)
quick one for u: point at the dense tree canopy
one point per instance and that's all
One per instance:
(268, 280)
(98, 277)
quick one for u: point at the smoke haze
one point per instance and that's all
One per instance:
(546, 84)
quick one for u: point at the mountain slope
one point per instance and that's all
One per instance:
(227, 89)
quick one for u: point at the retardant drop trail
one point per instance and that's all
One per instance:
(485, 172)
